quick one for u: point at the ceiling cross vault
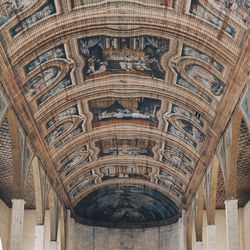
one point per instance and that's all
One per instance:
(124, 101)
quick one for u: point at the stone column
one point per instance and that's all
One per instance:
(182, 232)
(232, 224)
(39, 237)
(16, 228)
(53, 245)
(211, 237)
(199, 245)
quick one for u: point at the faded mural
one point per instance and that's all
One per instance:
(245, 105)
(133, 110)
(114, 146)
(198, 10)
(55, 53)
(40, 82)
(66, 82)
(170, 179)
(46, 10)
(177, 159)
(3, 106)
(192, 52)
(186, 84)
(206, 79)
(136, 55)
(71, 111)
(135, 172)
(126, 203)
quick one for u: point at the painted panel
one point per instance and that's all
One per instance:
(3, 105)
(57, 52)
(175, 109)
(135, 172)
(66, 82)
(135, 55)
(168, 178)
(192, 52)
(125, 147)
(170, 188)
(126, 203)
(206, 79)
(40, 82)
(198, 10)
(171, 129)
(72, 111)
(46, 10)
(184, 83)
(134, 110)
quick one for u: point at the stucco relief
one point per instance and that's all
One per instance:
(135, 55)
(44, 11)
(114, 146)
(199, 10)
(132, 110)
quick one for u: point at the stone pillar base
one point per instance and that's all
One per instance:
(39, 237)
(199, 245)
(211, 237)
(53, 245)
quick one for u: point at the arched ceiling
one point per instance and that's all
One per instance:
(125, 92)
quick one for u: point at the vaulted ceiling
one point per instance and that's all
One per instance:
(125, 101)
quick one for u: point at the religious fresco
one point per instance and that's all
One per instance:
(55, 53)
(71, 111)
(245, 105)
(134, 172)
(176, 132)
(81, 187)
(184, 83)
(191, 129)
(206, 79)
(175, 109)
(169, 187)
(134, 110)
(66, 82)
(77, 131)
(40, 82)
(114, 146)
(136, 55)
(177, 159)
(192, 52)
(126, 203)
(46, 10)
(3, 105)
(198, 10)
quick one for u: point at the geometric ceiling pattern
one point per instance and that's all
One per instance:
(123, 95)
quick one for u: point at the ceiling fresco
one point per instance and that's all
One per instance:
(123, 103)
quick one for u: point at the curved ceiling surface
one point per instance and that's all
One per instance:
(125, 92)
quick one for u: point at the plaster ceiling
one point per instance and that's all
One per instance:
(126, 93)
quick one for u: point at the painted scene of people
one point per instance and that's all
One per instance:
(133, 110)
(135, 55)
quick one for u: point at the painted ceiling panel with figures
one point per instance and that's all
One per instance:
(124, 99)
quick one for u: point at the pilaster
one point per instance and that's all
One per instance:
(39, 237)
(211, 237)
(198, 245)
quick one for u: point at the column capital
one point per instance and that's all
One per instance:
(231, 201)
